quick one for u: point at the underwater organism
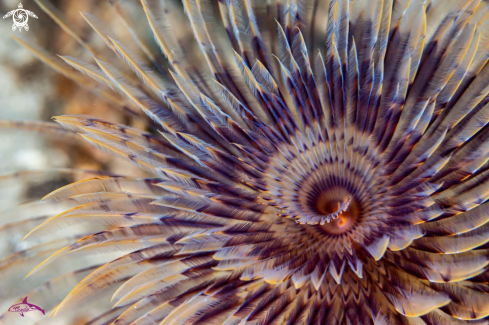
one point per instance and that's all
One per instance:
(311, 167)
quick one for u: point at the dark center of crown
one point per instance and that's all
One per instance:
(337, 203)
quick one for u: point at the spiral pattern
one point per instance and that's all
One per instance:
(20, 17)
(291, 184)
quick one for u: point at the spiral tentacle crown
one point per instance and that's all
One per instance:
(345, 185)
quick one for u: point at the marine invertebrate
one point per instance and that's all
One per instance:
(344, 186)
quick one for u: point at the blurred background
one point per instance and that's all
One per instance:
(31, 90)
(34, 162)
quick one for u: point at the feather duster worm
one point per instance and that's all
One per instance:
(292, 185)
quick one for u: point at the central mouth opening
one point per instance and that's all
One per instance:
(336, 204)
